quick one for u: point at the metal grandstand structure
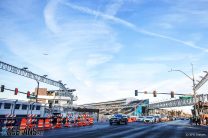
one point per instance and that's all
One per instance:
(118, 106)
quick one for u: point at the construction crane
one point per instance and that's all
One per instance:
(24, 72)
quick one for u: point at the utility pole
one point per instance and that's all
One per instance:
(194, 84)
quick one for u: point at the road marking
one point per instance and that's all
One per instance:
(136, 135)
(143, 129)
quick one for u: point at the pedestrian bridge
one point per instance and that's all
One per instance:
(178, 102)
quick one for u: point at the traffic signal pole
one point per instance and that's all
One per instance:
(194, 86)
(14, 90)
(145, 92)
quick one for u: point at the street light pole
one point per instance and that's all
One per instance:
(38, 87)
(37, 91)
(194, 90)
(26, 68)
(194, 84)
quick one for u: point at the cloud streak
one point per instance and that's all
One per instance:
(49, 17)
(131, 25)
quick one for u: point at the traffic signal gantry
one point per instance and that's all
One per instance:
(172, 93)
(16, 91)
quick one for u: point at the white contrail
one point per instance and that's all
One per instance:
(113, 8)
(131, 26)
(49, 18)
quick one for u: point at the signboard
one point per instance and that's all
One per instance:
(185, 97)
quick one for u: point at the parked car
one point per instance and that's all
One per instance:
(164, 119)
(157, 119)
(140, 119)
(118, 119)
(149, 119)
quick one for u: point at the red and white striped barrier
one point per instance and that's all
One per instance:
(32, 115)
(9, 121)
(10, 116)
(32, 120)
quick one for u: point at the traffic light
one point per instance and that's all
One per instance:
(16, 91)
(136, 92)
(28, 94)
(154, 93)
(2, 88)
(172, 94)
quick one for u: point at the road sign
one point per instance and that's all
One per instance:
(185, 97)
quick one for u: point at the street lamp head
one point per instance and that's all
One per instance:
(205, 71)
(170, 70)
(24, 68)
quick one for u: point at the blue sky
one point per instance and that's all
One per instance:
(105, 49)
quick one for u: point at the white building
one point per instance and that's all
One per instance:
(54, 97)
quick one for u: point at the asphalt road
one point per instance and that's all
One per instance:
(173, 129)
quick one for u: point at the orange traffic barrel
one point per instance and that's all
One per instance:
(79, 122)
(129, 120)
(40, 124)
(133, 119)
(67, 123)
(58, 123)
(84, 122)
(48, 124)
(91, 121)
(23, 124)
